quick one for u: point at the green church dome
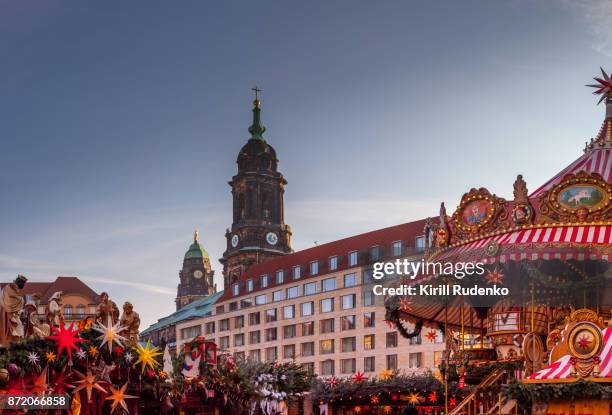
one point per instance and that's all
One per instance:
(196, 250)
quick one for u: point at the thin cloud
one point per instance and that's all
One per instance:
(158, 289)
(597, 14)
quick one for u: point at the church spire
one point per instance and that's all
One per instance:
(257, 129)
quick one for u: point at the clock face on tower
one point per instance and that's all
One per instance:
(271, 238)
(197, 274)
(235, 240)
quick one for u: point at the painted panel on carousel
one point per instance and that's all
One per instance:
(478, 213)
(581, 195)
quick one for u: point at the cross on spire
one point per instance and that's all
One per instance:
(257, 91)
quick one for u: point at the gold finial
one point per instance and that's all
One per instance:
(256, 102)
(196, 235)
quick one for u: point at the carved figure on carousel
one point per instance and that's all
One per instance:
(442, 235)
(131, 320)
(33, 327)
(54, 310)
(11, 307)
(106, 308)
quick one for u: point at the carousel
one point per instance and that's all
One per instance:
(546, 346)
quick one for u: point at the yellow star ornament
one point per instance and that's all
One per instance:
(118, 397)
(386, 374)
(146, 356)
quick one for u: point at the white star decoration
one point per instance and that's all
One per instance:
(128, 357)
(33, 358)
(81, 354)
(110, 334)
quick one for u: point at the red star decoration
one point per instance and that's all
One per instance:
(359, 377)
(39, 384)
(584, 342)
(394, 397)
(374, 399)
(332, 381)
(431, 336)
(603, 86)
(66, 339)
(405, 304)
(60, 383)
(452, 402)
(433, 397)
(495, 277)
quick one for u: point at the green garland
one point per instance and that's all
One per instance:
(392, 314)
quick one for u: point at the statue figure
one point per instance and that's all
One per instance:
(131, 321)
(54, 310)
(520, 190)
(33, 326)
(106, 308)
(11, 306)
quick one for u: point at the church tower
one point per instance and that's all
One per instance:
(196, 277)
(258, 231)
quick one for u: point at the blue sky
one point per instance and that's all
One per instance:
(121, 121)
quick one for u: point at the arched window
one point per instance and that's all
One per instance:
(67, 310)
(80, 310)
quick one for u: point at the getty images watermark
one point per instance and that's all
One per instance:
(415, 270)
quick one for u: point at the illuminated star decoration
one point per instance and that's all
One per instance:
(118, 397)
(88, 382)
(75, 405)
(60, 383)
(374, 399)
(50, 356)
(128, 357)
(163, 375)
(146, 356)
(433, 397)
(405, 304)
(332, 381)
(81, 354)
(359, 377)
(452, 402)
(386, 374)
(386, 409)
(102, 371)
(495, 277)
(414, 398)
(584, 342)
(110, 334)
(66, 339)
(93, 351)
(33, 358)
(604, 86)
(431, 335)
(39, 385)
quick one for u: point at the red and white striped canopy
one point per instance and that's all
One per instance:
(538, 243)
(561, 369)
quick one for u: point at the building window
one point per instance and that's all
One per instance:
(271, 315)
(80, 309)
(375, 253)
(352, 258)
(271, 334)
(293, 292)
(260, 299)
(392, 339)
(309, 367)
(255, 355)
(289, 332)
(327, 326)
(308, 308)
(308, 328)
(254, 337)
(280, 276)
(327, 305)
(396, 248)
(368, 298)
(326, 346)
(297, 272)
(414, 360)
(327, 367)
(239, 356)
(369, 342)
(328, 284)
(68, 310)
(350, 280)
(233, 306)
(314, 267)
(369, 364)
(348, 301)
(347, 322)
(416, 340)
(209, 328)
(224, 342)
(310, 288)
(191, 332)
(224, 324)
(264, 281)
(254, 319)
(238, 339)
(333, 263)
(391, 362)
(220, 309)
(277, 296)
(349, 344)
(246, 302)
(288, 311)
(347, 365)
(307, 349)
(271, 354)
(419, 243)
(369, 319)
(289, 351)
(235, 289)
(249, 285)
(239, 322)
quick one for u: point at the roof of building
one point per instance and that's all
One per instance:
(196, 250)
(406, 232)
(67, 285)
(195, 309)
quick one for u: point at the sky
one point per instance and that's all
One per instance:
(120, 122)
